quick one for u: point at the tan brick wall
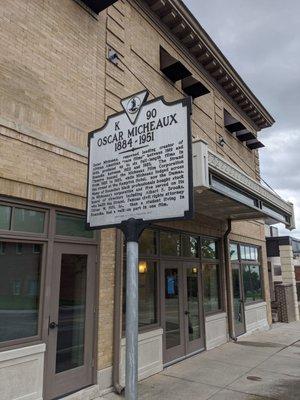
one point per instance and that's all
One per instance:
(52, 84)
(56, 85)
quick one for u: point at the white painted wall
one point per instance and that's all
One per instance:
(216, 330)
(21, 373)
(256, 317)
(150, 355)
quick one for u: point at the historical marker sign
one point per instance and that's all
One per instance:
(140, 164)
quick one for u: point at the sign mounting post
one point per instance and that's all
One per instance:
(140, 171)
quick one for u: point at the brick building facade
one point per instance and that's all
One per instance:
(57, 83)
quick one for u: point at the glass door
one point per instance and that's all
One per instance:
(71, 320)
(193, 310)
(172, 311)
(181, 314)
(238, 301)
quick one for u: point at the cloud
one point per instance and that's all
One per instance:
(261, 39)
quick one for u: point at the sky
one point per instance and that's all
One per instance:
(261, 39)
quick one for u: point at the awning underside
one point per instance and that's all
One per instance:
(223, 191)
(219, 206)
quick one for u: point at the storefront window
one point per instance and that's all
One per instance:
(249, 253)
(19, 291)
(250, 269)
(252, 283)
(147, 293)
(209, 249)
(169, 243)
(5, 216)
(25, 220)
(148, 242)
(189, 246)
(234, 255)
(211, 287)
(71, 225)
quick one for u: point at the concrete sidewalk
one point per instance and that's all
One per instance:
(264, 365)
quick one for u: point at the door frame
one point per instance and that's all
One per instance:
(72, 247)
(185, 349)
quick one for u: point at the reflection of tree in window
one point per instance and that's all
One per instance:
(211, 286)
(208, 249)
(252, 282)
(189, 246)
(170, 244)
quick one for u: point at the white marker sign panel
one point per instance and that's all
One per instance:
(140, 164)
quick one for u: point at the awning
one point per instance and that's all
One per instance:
(98, 5)
(223, 191)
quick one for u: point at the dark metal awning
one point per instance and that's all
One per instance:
(232, 124)
(171, 67)
(192, 87)
(223, 191)
(254, 144)
(244, 135)
(98, 5)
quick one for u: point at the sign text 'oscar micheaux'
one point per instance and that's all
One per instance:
(140, 163)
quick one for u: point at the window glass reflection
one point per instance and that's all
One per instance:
(147, 293)
(209, 249)
(148, 242)
(190, 246)
(25, 220)
(252, 283)
(172, 320)
(193, 303)
(19, 291)
(234, 256)
(5, 214)
(71, 313)
(169, 243)
(211, 287)
(72, 225)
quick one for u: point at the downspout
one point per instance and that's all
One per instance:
(228, 281)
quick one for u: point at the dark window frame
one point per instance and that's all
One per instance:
(47, 240)
(158, 258)
(243, 262)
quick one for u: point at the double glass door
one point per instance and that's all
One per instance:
(69, 365)
(182, 311)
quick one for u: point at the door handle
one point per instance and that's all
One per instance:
(53, 325)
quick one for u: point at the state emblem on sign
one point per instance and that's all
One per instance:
(132, 105)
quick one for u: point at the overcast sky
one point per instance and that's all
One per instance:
(261, 39)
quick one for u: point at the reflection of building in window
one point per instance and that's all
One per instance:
(19, 248)
(32, 287)
(36, 248)
(2, 248)
(277, 270)
(20, 271)
(16, 287)
(211, 288)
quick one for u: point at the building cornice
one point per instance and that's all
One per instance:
(184, 27)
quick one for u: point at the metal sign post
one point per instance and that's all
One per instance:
(140, 171)
(132, 230)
